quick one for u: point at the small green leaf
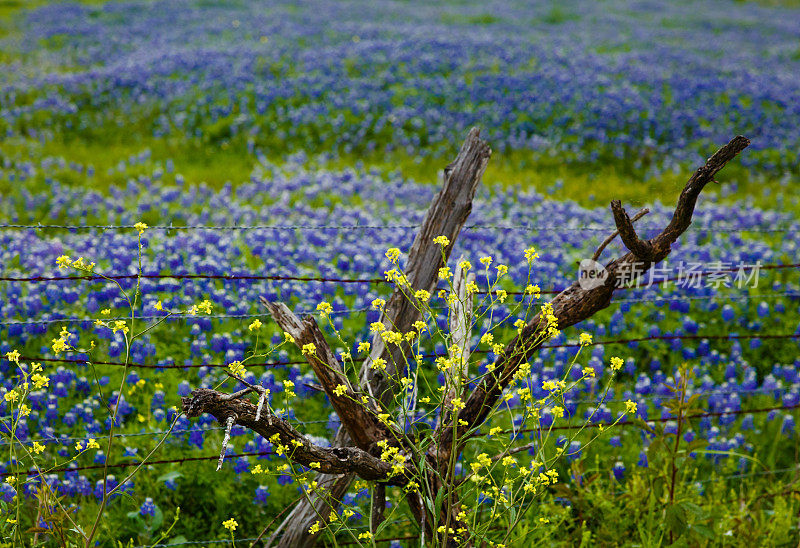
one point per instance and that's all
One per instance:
(676, 519)
(658, 487)
(158, 519)
(169, 476)
(438, 502)
(703, 531)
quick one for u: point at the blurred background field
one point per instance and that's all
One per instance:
(302, 139)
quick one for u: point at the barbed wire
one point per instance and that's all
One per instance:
(739, 297)
(475, 226)
(346, 311)
(278, 363)
(196, 542)
(175, 431)
(707, 414)
(173, 317)
(689, 277)
(323, 279)
(184, 431)
(507, 431)
(135, 464)
(228, 277)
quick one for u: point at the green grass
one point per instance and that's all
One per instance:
(590, 185)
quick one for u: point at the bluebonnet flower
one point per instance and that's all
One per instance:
(619, 471)
(148, 508)
(261, 495)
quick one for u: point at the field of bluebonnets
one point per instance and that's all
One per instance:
(279, 143)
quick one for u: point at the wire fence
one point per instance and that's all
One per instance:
(322, 279)
(215, 457)
(67, 440)
(347, 311)
(474, 226)
(281, 363)
(366, 280)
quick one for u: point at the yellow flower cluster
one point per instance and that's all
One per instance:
(203, 306)
(378, 363)
(392, 455)
(531, 254)
(422, 295)
(533, 290)
(393, 254)
(65, 261)
(60, 344)
(392, 337)
(237, 368)
(550, 318)
(309, 349)
(554, 386)
(90, 444)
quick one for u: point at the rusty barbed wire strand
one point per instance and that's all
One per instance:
(323, 279)
(279, 363)
(215, 457)
(475, 226)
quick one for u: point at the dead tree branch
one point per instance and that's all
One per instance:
(354, 452)
(576, 304)
(446, 216)
(286, 439)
